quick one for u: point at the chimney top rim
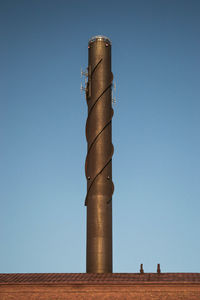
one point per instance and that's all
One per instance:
(99, 38)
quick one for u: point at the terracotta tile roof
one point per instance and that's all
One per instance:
(84, 278)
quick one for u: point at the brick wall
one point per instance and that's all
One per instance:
(176, 291)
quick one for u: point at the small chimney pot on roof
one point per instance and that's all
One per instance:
(141, 269)
(158, 269)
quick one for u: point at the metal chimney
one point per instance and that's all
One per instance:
(98, 165)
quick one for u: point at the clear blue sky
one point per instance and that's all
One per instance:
(156, 125)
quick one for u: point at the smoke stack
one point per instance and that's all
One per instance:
(98, 165)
